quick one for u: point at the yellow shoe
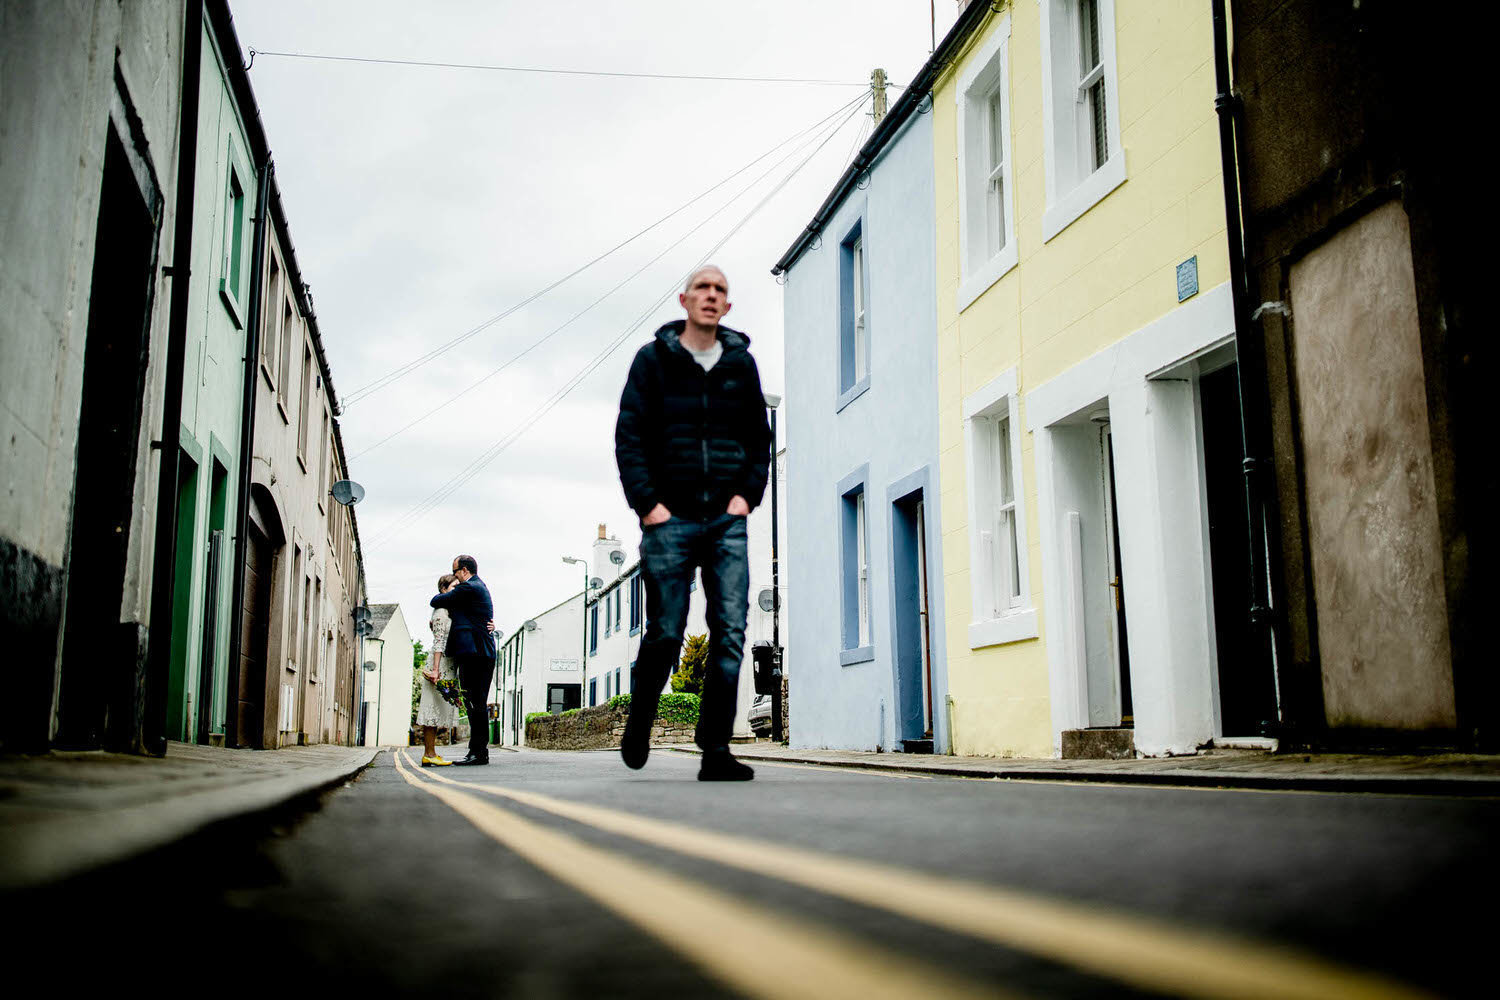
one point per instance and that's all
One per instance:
(436, 762)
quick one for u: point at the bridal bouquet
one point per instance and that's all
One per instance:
(451, 691)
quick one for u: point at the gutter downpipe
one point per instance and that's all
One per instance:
(164, 554)
(1250, 371)
(247, 444)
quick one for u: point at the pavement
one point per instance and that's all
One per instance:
(1409, 774)
(63, 813)
(554, 874)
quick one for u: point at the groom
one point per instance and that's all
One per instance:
(472, 649)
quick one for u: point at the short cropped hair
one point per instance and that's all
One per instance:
(688, 285)
(468, 563)
(444, 580)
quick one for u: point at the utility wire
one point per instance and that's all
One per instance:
(403, 370)
(477, 465)
(586, 309)
(490, 67)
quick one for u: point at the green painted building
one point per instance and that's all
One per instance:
(213, 376)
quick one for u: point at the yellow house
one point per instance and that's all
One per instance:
(1089, 427)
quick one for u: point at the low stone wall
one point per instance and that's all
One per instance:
(459, 735)
(597, 728)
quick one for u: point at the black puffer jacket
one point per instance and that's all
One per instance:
(691, 439)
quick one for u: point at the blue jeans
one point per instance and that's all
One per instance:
(670, 552)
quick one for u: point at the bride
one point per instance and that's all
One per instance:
(433, 712)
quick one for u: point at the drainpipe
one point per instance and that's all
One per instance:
(247, 444)
(164, 558)
(1250, 369)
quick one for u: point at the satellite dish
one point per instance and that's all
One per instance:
(766, 599)
(617, 557)
(347, 492)
(370, 666)
(595, 582)
(530, 625)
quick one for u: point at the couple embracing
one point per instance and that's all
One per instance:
(463, 656)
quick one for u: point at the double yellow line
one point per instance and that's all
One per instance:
(763, 953)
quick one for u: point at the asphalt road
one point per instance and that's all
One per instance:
(566, 875)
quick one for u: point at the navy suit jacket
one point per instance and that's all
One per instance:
(470, 608)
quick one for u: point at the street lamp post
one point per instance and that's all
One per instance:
(583, 659)
(773, 401)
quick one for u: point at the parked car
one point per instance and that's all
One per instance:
(760, 715)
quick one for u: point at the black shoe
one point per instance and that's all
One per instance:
(720, 765)
(634, 749)
(471, 761)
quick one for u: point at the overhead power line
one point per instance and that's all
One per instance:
(443, 492)
(592, 305)
(551, 70)
(401, 371)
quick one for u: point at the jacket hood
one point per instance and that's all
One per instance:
(670, 334)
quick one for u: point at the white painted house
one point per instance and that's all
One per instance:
(388, 682)
(538, 669)
(865, 547)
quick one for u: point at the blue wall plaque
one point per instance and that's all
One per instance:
(1187, 278)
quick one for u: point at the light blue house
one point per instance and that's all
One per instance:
(865, 651)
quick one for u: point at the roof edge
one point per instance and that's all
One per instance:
(969, 19)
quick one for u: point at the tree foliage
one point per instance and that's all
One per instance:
(418, 661)
(688, 677)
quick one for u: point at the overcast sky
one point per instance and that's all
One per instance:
(426, 201)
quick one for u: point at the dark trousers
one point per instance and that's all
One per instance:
(475, 674)
(670, 553)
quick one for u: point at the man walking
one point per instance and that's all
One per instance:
(693, 449)
(472, 647)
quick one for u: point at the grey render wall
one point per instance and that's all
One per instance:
(1372, 508)
(892, 427)
(296, 486)
(57, 80)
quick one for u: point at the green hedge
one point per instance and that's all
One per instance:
(571, 711)
(537, 715)
(679, 709)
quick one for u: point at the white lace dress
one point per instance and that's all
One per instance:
(432, 710)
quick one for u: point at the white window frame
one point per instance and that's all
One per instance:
(853, 312)
(862, 564)
(861, 330)
(1074, 183)
(856, 599)
(234, 264)
(1003, 608)
(985, 79)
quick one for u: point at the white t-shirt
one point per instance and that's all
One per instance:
(707, 358)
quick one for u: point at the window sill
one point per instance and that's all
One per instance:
(636, 630)
(302, 462)
(861, 654)
(270, 382)
(1089, 192)
(985, 276)
(281, 407)
(852, 393)
(999, 631)
(231, 305)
